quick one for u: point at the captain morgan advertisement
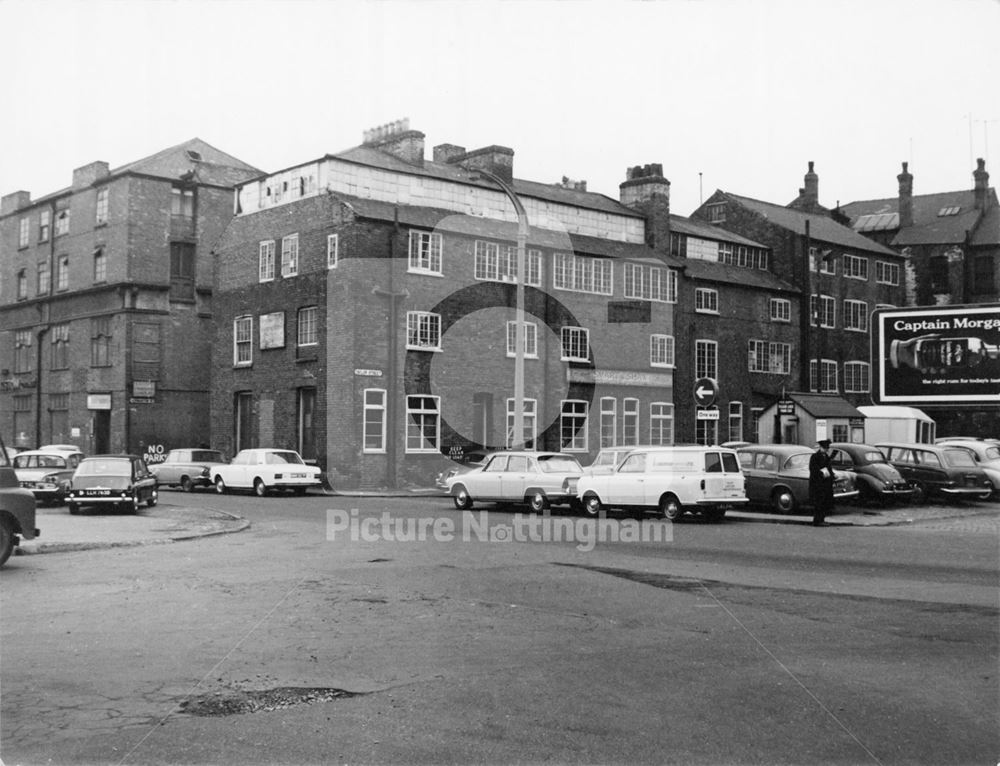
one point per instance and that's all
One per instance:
(941, 354)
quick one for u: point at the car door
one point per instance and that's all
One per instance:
(627, 485)
(761, 475)
(485, 484)
(514, 480)
(928, 469)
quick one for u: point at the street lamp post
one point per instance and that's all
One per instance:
(517, 440)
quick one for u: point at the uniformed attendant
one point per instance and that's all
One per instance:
(821, 483)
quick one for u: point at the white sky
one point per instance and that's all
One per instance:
(744, 93)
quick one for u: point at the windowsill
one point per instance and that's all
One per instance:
(526, 356)
(423, 348)
(706, 311)
(662, 366)
(781, 321)
(306, 359)
(425, 273)
(858, 279)
(573, 359)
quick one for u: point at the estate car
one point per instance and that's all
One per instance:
(537, 479)
(937, 469)
(778, 476)
(187, 468)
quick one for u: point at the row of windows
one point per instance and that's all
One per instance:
(181, 205)
(423, 423)
(823, 309)
(100, 346)
(854, 266)
(272, 333)
(823, 376)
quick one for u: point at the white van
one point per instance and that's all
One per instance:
(672, 480)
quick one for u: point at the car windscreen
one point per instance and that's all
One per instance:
(559, 464)
(110, 467)
(273, 458)
(959, 458)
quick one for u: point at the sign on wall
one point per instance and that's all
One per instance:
(937, 354)
(272, 330)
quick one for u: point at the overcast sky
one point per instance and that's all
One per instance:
(731, 95)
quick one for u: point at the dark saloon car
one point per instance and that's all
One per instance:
(119, 481)
(778, 475)
(876, 478)
(187, 468)
(938, 470)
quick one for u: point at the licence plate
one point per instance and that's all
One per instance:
(297, 476)
(97, 492)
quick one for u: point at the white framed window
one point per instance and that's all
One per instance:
(575, 344)
(44, 278)
(22, 350)
(649, 283)
(856, 315)
(855, 267)
(706, 431)
(823, 310)
(425, 252)
(706, 359)
(661, 350)
(857, 377)
(22, 285)
(823, 377)
(62, 222)
(332, 250)
(781, 310)
(23, 232)
(764, 356)
(822, 261)
(100, 265)
(423, 423)
(609, 421)
(530, 339)
(573, 426)
(487, 262)
(290, 255)
(374, 420)
(101, 215)
(243, 341)
(530, 423)
(630, 422)
(62, 272)
(706, 300)
(581, 273)
(307, 326)
(533, 265)
(423, 330)
(44, 225)
(886, 273)
(736, 421)
(499, 264)
(60, 347)
(661, 423)
(265, 268)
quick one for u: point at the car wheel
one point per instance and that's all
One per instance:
(186, 484)
(462, 498)
(538, 502)
(7, 536)
(74, 508)
(258, 487)
(153, 497)
(783, 500)
(299, 491)
(132, 505)
(671, 508)
(220, 485)
(592, 505)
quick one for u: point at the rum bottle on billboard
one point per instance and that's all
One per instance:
(941, 354)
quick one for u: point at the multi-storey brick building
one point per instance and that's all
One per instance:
(737, 324)
(842, 274)
(366, 305)
(105, 302)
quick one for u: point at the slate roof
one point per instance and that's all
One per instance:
(692, 228)
(821, 227)
(929, 228)
(365, 155)
(713, 271)
(471, 225)
(825, 405)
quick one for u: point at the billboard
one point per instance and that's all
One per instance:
(936, 355)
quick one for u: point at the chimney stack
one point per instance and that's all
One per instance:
(14, 201)
(498, 160)
(905, 197)
(89, 174)
(569, 183)
(397, 139)
(646, 191)
(982, 186)
(447, 153)
(810, 194)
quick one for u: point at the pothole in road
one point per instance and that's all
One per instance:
(238, 702)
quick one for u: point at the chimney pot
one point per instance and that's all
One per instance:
(905, 197)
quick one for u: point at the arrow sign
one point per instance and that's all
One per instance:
(705, 392)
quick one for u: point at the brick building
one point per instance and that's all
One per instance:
(105, 302)
(842, 274)
(737, 324)
(365, 305)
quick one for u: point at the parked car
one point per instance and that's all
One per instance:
(938, 470)
(778, 476)
(875, 477)
(187, 468)
(121, 481)
(47, 472)
(61, 447)
(17, 509)
(986, 453)
(264, 469)
(467, 462)
(537, 479)
(673, 480)
(607, 459)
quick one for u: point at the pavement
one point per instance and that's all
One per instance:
(169, 523)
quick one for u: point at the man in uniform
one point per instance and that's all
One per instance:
(821, 483)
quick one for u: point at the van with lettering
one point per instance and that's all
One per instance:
(670, 480)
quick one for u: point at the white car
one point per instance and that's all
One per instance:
(672, 480)
(265, 469)
(536, 479)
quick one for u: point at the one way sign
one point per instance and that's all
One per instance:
(706, 390)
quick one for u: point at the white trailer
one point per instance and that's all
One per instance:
(888, 423)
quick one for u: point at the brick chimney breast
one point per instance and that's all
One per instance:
(14, 201)
(646, 191)
(810, 194)
(448, 152)
(982, 179)
(89, 174)
(397, 139)
(498, 160)
(905, 197)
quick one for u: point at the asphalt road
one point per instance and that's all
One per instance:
(407, 632)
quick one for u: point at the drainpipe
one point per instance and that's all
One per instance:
(805, 314)
(42, 332)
